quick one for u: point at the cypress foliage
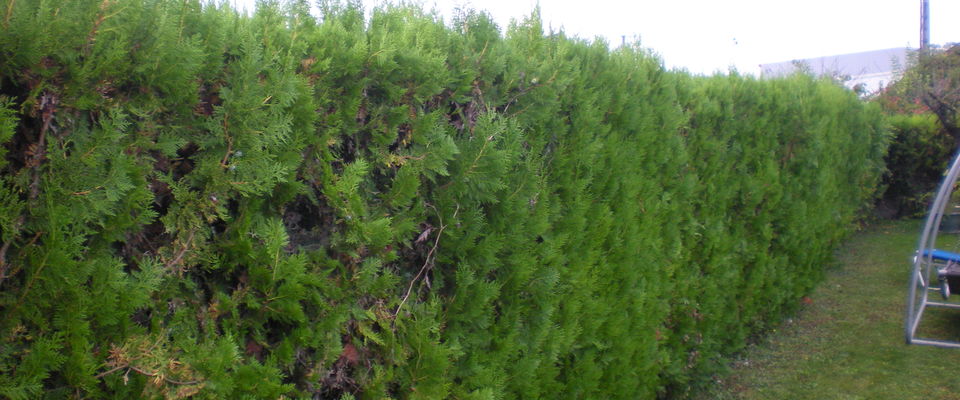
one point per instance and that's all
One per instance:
(195, 202)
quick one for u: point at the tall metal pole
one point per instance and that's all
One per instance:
(924, 24)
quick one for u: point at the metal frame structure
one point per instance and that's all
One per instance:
(929, 265)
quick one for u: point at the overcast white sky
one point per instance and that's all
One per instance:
(706, 36)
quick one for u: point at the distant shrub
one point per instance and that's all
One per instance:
(919, 152)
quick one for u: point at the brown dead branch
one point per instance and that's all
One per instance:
(428, 263)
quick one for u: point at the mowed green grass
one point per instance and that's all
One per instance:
(847, 340)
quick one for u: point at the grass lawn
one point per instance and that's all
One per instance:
(847, 341)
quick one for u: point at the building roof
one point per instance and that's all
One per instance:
(873, 69)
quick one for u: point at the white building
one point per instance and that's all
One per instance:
(872, 69)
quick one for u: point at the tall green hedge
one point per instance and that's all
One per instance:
(200, 203)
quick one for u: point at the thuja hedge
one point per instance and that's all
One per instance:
(200, 203)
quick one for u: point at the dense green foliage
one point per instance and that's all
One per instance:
(196, 202)
(930, 82)
(919, 152)
(842, 343)
(922, 105)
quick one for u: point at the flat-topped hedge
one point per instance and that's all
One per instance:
(195, 202)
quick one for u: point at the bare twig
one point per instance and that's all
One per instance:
(48, 106)
(181, 253)
(226, 133)
(110, 371)
(427, 265)
(6, 20)
(144, 373)
(101, 16)
(168, 380)
(513, 99)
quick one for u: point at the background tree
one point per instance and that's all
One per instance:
(922, 106)
(929, 83)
